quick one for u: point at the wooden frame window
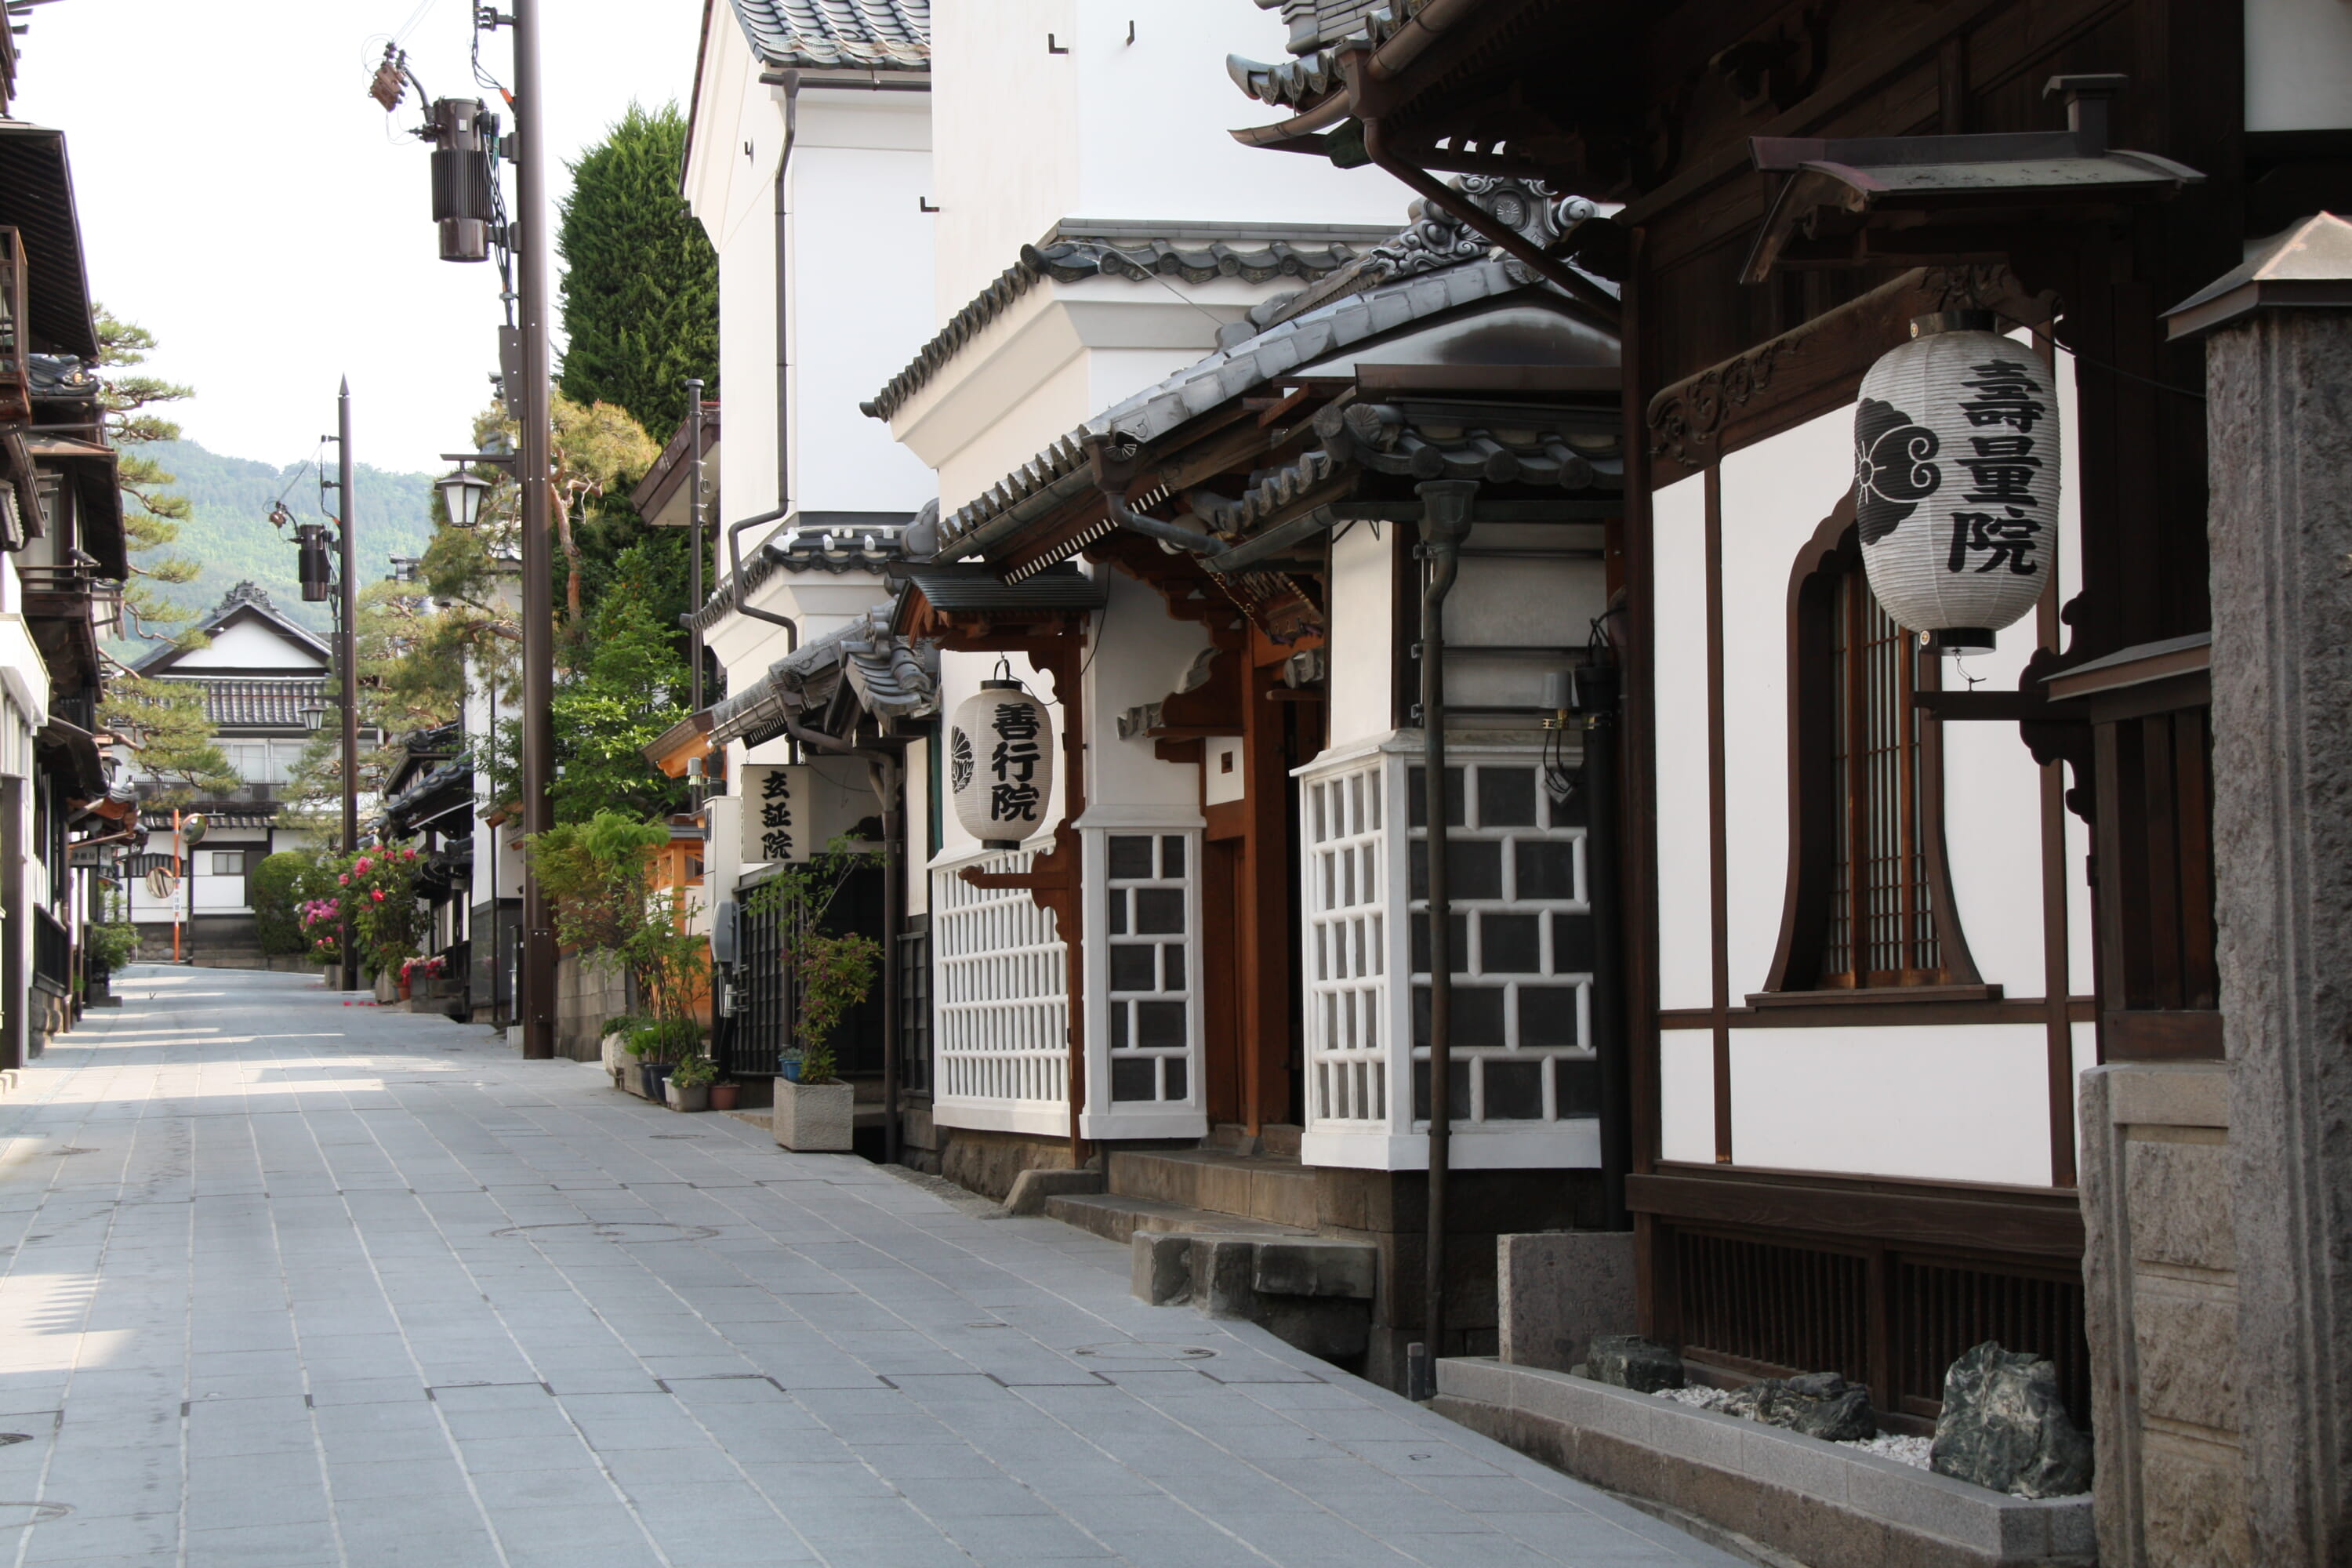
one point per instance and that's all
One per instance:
(1870, 903)
(1882, 927)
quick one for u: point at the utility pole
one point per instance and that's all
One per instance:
(347, 657)
(538, 574)
(694, 574)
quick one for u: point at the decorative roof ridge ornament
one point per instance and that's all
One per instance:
(1435, 238)
(1313, 71)
(246, 592)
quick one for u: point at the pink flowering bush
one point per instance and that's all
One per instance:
(387, 921)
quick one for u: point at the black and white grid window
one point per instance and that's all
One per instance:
(1150, 986)
(1521, 938)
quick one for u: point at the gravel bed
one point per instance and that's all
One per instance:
(1904, 1450)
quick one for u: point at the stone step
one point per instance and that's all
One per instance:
(1277, 1140)
(1254, 1186)
(1119, 1219)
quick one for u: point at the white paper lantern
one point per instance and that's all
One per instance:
(1001, 763)
(1955, 446)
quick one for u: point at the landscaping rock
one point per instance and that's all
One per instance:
(1819, 1405)
(2004, 1426)
(1629, 1360)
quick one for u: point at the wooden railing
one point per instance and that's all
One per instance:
(52, 953)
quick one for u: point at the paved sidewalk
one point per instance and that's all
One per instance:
(294, 1282)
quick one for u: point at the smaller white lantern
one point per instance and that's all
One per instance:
(1001, 763)
(1955, 446)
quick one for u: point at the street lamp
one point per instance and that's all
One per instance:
(462, 491)
(314, 713)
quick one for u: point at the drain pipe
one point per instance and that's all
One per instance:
(1596, 695)
(1444, 524)
(788, 84)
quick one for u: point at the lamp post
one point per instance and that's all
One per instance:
(462, 492)
(466, 203)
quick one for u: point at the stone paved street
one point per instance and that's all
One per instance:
(295, 1282)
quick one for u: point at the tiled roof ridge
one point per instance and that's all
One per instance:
(840, 34)
(1314, 73)
(1069, 260)
(1281, 347)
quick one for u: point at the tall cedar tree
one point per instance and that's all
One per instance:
(641, 284)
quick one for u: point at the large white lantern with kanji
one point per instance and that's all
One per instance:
(1000, 764)
(1956, 448)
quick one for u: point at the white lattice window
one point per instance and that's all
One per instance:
(1001, 1007)
(1524, 1081)
(1143, 980)
(1522, 948)
(1346, 935)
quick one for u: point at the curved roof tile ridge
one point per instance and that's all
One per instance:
(838, 35)
(1069, 260)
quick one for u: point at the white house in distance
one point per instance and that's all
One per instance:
(258, 670)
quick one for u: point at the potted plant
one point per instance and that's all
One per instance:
(724, 1093)
(832, 973)
(688, 1088)
(598, 874)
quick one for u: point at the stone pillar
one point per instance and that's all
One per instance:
(2279, 425)
(2161, 1299)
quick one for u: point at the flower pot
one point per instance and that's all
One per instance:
(656, 1077)
(686, 1096)
(722, 1095)
(789, 1068)
(405, 988)
(814, 1117)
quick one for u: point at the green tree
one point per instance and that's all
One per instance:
(174, 733)
(152, 512)
(641, 281)
(628, 687)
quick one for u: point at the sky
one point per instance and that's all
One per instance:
(245, 200)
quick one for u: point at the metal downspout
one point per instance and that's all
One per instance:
(1597, 698)
(1444, 524)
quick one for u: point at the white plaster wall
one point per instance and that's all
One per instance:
(1685, 946)
(1174, 159)
(1960, 1102)
(250, 645)
(2298, 65)
(1140, 654)
(1686, 1096)
(732, 195)
(1025, 419)
(860, 254)
(959, 677)
(1006, 128)
(1775, 495)
(1363, 611)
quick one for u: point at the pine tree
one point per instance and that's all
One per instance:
(152, 519)
(641, 285)
(175, 734)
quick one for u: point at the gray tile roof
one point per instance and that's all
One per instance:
(1284, 347)
(836, 542)
(891, 676)
(840, 34)
(1067, 259)
(259, 704)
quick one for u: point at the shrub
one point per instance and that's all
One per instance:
(275, 893)
(111, 946)
(598, 876)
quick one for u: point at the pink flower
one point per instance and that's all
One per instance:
(408, 853)
(363, 865)
(377, 895)
(345, 880)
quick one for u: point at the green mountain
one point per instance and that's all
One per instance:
(231, 539)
